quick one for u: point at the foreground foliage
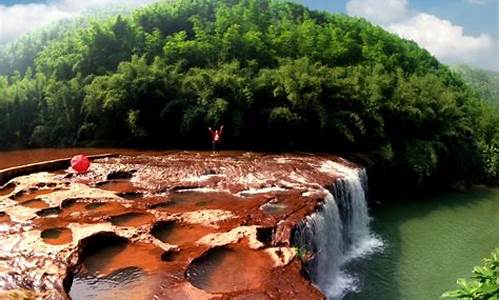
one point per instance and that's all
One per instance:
(276, 74)
(484, 282)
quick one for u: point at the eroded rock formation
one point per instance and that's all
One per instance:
(184, 225)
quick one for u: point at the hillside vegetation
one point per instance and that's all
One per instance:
(277, 75)
(484, 82)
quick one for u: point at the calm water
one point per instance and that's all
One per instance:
(429, 243)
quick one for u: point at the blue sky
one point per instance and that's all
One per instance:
(455, 31)
(475, 16)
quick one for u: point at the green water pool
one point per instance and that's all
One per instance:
(429, 243)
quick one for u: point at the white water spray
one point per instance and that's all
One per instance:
(339, 232)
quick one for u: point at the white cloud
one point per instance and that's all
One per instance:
(440, 37)
(478, 2)
(378, 11)
(22, 18)
(447, 41)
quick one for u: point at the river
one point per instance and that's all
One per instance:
(429, 242)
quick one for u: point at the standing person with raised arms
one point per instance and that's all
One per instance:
(216, 136)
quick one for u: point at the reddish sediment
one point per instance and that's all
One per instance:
(174, 225)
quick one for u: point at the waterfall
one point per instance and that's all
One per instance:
(337, 233)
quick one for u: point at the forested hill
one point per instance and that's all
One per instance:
(276, 74)
(484, 82)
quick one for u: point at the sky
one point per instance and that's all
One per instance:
(455, 31)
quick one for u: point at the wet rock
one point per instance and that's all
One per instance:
(4, 217)
(170, 255)
(7, 189)
(101, 183)
(265, 235)
(210, 172)
(125, 283)
(130, 195)
(132, 219)
(207, 217)
(233, 236)
(91, 245)
(184, 187)
(20, 294)
(95, 205)
(281, 256)
(210, 272)
(49, 211)
(66, 203)
(179, 234)
(35, 203)
(57, 236)
(283, 234)
(120, 174)
(189, 292)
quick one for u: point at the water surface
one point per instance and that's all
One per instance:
(429, 243)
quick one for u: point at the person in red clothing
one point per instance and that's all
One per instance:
(216, 136)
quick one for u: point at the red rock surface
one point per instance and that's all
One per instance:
(175, 225)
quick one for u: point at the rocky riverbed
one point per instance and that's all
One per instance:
(177, 225)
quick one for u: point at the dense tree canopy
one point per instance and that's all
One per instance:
(277, 75)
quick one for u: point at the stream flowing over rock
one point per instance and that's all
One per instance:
(186, 225)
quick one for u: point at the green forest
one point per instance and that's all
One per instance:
(484, 82)
(276, 74)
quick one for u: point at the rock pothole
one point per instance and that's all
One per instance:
(179, 233)
(119, 186)
(7, 189)
(248, 268)
(57, 236)
(132, 219)
(25, 196)
(4, 217)
(111, 267)
(35, 203)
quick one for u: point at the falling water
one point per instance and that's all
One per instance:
(338, 233)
